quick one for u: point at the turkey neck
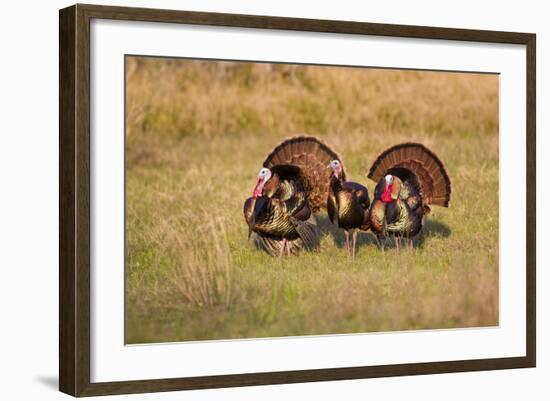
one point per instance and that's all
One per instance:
(336, 184)
(271, 186)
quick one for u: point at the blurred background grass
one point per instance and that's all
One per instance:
(196, 134)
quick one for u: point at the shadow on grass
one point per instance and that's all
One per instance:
(337, 234)
(432, 228)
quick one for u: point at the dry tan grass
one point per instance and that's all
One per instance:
(196, 135)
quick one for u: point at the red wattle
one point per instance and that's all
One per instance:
(386, 195)
(258, 189)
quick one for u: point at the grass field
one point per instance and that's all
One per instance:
(197, 133)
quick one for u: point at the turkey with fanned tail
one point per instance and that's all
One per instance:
(410, 178)
(291, 186)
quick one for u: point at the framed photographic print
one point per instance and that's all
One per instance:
(250, 200)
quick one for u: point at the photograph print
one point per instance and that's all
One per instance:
(273, 200)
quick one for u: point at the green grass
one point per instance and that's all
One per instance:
(197, 133)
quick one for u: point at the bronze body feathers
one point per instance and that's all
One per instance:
(280, 216)
(347, 205)
(296, 182)
(423, 163)
(410, 178)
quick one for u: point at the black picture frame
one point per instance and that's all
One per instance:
(74, 199)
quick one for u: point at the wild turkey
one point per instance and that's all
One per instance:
(347, 204)
(410, 178)
(290, 188)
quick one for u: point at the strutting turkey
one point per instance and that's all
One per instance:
(410, 178)
(290, 188)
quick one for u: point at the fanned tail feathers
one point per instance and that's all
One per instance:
(423, 163)
(312, 156)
